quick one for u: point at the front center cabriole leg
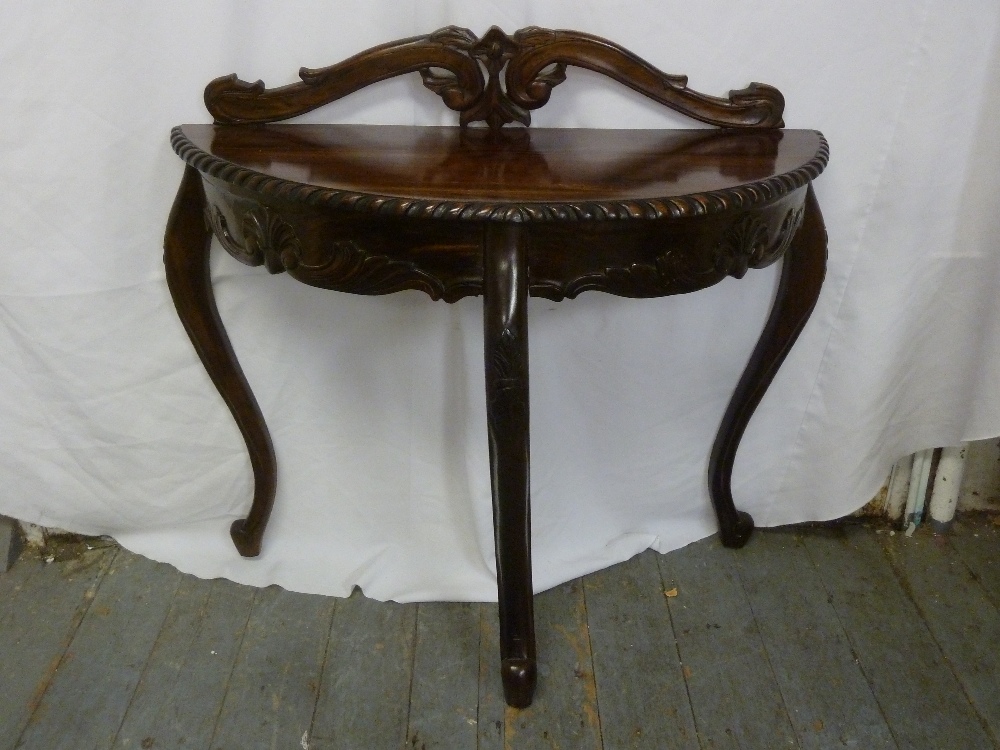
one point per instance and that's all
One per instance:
(186, 256)
(505, 292)
(802, 272)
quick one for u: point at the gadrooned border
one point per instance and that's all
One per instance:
(695, 204)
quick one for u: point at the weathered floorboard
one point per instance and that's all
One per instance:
(564, 713)
(958, 612)
(43, 606)
(364, 696)
(180, 693)
(87, 698)
(977, 542)
(812, 638)
(444, 695)
(492, 709)
(14, 581)
(827, 697)
(907, 673)
(640, 686)
(272, 691)
(734, 693)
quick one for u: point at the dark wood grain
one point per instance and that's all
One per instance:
(505, 326)
(186, 258)
(504, 213)
(449, 61)
(11, 542)
(523, 175)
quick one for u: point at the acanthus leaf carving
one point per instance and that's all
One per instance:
(454, 36)
(217, 224)
(268, 236)
(790, 226)
(269, 240)
(745, 244)
(347, 267)
(506, 376)
(448, 84)
(494, 107)
(672, 272)
(232, 100)
(505, 370)
(743, 241)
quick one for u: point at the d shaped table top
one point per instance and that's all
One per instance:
(472, 173)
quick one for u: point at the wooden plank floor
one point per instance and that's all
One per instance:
(811, 637)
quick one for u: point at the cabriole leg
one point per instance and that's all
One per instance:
(505, 292)
(186, 257)
(802, 272)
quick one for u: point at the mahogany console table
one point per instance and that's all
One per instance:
(503, 213)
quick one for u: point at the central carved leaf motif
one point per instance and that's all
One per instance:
(495, 105)
(747, 245)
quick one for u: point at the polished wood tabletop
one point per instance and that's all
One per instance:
(513, 164)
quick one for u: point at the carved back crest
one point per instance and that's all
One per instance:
(496, 79)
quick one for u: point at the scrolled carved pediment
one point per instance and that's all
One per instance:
(520, 72)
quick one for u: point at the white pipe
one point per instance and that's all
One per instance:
(899, 485)
(919, 476)
(947, 483)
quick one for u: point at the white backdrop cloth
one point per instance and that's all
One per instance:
(376, 404)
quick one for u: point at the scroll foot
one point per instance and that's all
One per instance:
(505, 329)
(737, 534)
(186, 249)
(247, 542)
(519, 678)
